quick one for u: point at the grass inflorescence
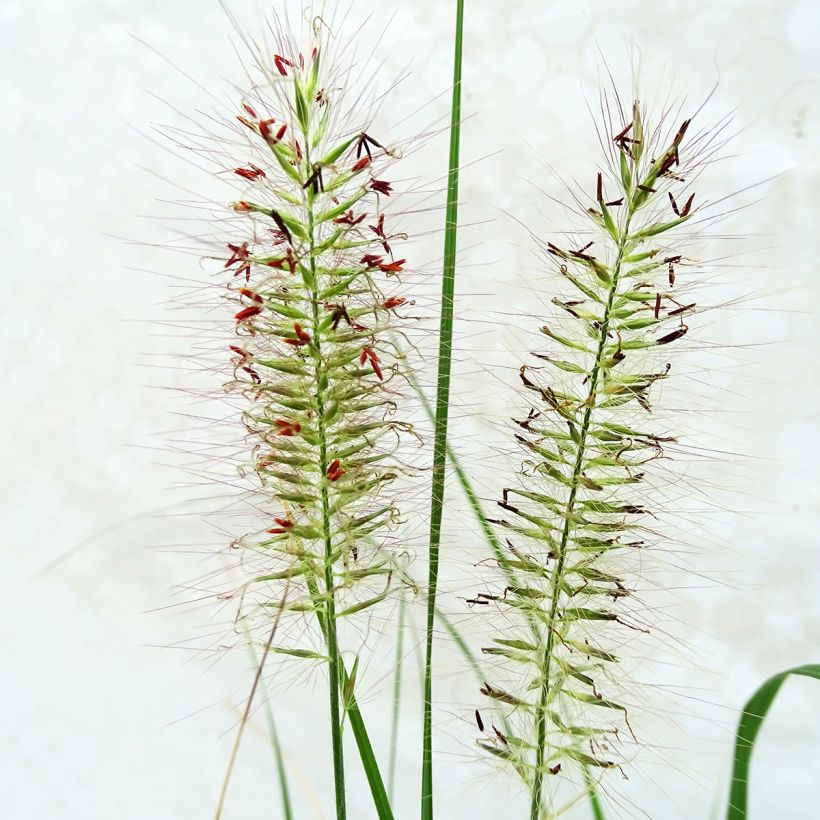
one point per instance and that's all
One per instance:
(314, 275)
(577, 507)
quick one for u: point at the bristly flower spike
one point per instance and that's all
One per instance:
(575, 512)
(315, 363)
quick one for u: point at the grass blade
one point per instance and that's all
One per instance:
(754, 713)
(368, 758)
(223, 793)
(394, 718)
(278, 756)
(366, 754)
(442, 411)
(594, 801)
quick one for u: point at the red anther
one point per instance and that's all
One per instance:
(249, 110)
(378, 228)
(246, 122)
(267, 132)
(240, 351)
(599, 194)
(314, 54)
(281, 62)
(368, 354)
(302, 336)
(298, 149)
(681, 131)
(290, 259)
(334, 471)
(251, 173)
(657, 305)
(285, 524)
(622, 135)
(364, 142)
(688, 206)
(249, 294)
(393, 302)
(280, 223)
(247, 313)
(315, 179)
(278, 236)
(669, 160)
(339, 313)
(348, 219)
(241, 206)
(381, 187)
(393, 267)
(253, 374)
(361, 165)
(674, 204)
(371, 260)
(287, 428)
(239, 253)
(301, 61)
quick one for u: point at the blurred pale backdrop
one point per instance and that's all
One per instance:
(100, 721)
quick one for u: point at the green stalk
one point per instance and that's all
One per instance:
(442, 408)
(329, 603)
(557, 577)
(366, 754)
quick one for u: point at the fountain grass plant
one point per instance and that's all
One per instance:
(313, 275)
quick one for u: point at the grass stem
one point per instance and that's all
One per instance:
(442, 412)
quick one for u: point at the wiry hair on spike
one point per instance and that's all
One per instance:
(576, 511)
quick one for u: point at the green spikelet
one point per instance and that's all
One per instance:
(577, 506)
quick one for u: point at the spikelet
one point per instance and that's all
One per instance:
(575, 517)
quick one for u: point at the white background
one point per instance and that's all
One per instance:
(99, 720)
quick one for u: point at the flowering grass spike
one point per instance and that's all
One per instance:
(316, 285)
(576, 512)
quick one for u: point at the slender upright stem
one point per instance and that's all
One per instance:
(334, 672)
(561, 552)
(442, 407)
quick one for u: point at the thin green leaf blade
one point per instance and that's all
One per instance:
(442, 412)
(754, 713)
